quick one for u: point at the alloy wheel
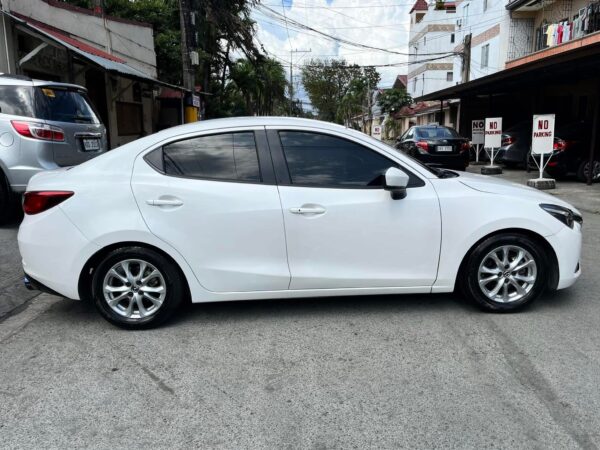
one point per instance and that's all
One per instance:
(134, 289)
(507, 274)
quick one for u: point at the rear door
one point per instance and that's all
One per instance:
(71, 111)
(213, 198)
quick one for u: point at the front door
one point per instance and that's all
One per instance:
(211, 199)
(343, 229)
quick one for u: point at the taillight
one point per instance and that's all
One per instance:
(35, 202)
(423, 145)
(561, 145)
(508, 140)
(464, 146)
(36, 130)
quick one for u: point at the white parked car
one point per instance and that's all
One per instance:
(255, 208)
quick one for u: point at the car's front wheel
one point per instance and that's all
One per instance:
(505, 272)
(137, 288)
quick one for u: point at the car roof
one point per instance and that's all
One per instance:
(252, 121)
(20, 80)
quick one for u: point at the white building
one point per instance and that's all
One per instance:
(431, 36)
(488, 25)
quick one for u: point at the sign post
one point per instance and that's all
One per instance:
(542, 145)
(477, 136)
(493, 141)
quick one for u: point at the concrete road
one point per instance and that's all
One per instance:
(367, 372)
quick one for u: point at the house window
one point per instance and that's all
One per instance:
(465, 15)
(485, 5)
(425, 40)
(485, 55)
(449, 76)
(414, 84)
(452, 38)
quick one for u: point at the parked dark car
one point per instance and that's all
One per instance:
(572, 153)
(436, 146)
(516, 143)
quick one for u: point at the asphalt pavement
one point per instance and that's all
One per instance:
(362, 372)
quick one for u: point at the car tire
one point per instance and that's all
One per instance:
(583, 170)
(137, 288)
(518, 281)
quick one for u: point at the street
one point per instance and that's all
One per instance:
(362, 372)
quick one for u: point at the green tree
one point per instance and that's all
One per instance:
(337, 90)
(392, 100)
(223, 27)
(254, 88)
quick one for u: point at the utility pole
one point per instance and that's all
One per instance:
(188, 76)
(292, 76)
(466, 59)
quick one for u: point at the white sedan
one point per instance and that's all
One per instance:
(256, 208)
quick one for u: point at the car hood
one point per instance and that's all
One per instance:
(489, 184)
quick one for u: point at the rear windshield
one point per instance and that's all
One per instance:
(436, 132)
(64, 105)
(17, 100)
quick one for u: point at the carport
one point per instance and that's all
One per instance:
(562, 80)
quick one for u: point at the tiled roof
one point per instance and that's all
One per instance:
(420, 5)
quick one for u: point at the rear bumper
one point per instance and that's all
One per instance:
(53, 252)
(33, 285)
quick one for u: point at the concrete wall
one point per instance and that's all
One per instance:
(134, 43)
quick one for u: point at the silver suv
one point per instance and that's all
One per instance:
(43, 125)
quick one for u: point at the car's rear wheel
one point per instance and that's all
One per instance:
(505, 273)
(584, 169)
(137, 288)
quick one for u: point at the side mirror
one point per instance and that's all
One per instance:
(396, 181)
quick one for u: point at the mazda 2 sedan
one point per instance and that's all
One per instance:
(263, 208)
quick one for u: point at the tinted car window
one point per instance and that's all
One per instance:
(436, 132)
(321, 160)
(17, 100)
(64, 105)
(229, 157)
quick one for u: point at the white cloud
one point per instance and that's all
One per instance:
(376, 23)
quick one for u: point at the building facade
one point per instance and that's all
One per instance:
(432, 40)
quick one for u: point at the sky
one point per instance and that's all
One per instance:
(377, 23)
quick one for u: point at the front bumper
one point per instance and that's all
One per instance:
(567, 246)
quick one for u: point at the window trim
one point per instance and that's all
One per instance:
(283, 173)
(265, 164)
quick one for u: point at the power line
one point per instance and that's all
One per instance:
(293, 23)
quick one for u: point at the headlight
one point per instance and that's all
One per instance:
(565, 215)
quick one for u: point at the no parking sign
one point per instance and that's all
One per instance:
(477, 131)
(493, 132)
(542, 139)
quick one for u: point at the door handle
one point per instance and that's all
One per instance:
(164, 202)
(308, 210)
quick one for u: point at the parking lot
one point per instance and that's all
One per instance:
(361, 372)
